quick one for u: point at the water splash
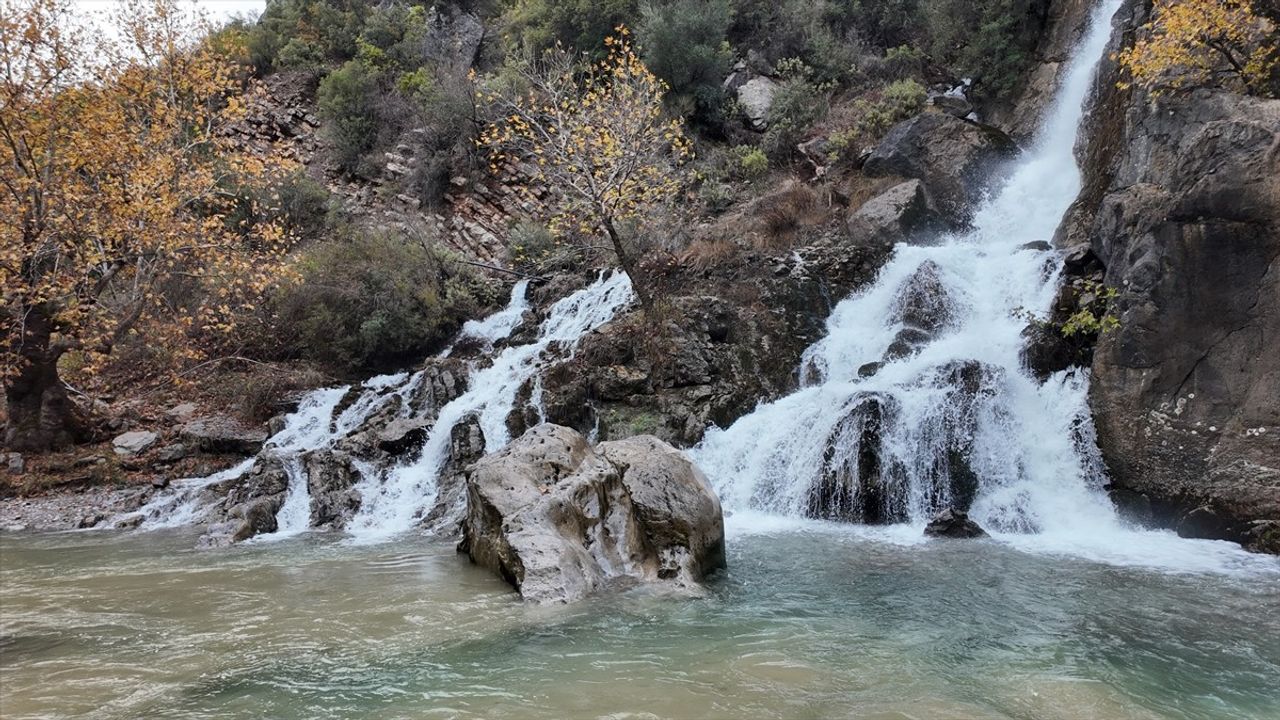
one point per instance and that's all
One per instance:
(916, 399)
(390, 504)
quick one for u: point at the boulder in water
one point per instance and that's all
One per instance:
(560, 520)
(953, 524)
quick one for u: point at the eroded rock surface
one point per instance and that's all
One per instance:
(561, 520)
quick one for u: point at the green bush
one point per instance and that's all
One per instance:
(904, 98)
(797, 105)
(683, 42)
(581, 24)
(348, 102)
(372, 301)
(305, 34)
(751, 161)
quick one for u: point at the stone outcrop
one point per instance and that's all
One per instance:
(132, 443)
(221, 434)
(953, 524)
(756, 98)
(1182, 207)
(560, 520)
(903, 211)
(955, 159)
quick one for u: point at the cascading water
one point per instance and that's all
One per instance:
(392, 500)
(391, 504)
(917, 400)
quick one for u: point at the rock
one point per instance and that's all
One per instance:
(560, 520)
(15, 463)
(1187, 224)
(331, 481)
(246, 520)
(953, 524)
(182, 412)
(851, 487)
(403, 435)
(954, 159)
(159, 482)
(132, 443)
(452, 39)
(1036, 246)
(756, 98)
(954, 104)
(220, 434)
(896, 214)
(172, 453)
(129, 523)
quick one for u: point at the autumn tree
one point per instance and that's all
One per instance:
(1192, 43)
(597, 138)
(114, 166)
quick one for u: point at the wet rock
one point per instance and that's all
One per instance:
(954, 159)
(132, 443)
(924, 302)
(1036, 246)
(899, 212)
(851, 487)
(466, 446)
(756, 98)
(245, 521)
(560, 520)
(129, 523)
(1187, 224)
(220, 434)
(953, 524)
(403, 435)
(331, 479)
(159, 482)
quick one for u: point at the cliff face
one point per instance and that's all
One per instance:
(1182, 206)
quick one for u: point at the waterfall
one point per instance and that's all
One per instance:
(390, 504)
(391, 500)
(916, 398)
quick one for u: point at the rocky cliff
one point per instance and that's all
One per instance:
(1182, 207)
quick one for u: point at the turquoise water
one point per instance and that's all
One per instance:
(808, 623)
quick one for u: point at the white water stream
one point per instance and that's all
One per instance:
(1030, 445)
(391, 501)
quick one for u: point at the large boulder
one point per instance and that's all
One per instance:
(902, 211)
(132, 443)
(756, 98)
(220, 434)
(1188, 227)
(560, 520)
(953, 524)
(955, 159)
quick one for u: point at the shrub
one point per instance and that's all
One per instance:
(373, 300)
(683, 42)
(988, 40)
(797, 105)
(348, 103)
(305, 34)
(904, 98)
(751, 161)
(580, 24)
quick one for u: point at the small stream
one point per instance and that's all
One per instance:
(812, 621)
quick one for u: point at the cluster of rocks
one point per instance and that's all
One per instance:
(278, 118)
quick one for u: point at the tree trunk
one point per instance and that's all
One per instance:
(629, 266)
(41, 416)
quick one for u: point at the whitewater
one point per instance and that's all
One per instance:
(1040, 480)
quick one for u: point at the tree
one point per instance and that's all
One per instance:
(114, 168)
(597, 138)
(1192, 43)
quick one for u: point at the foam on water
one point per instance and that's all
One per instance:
(1040, 480)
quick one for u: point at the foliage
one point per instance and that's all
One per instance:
(597, 134)
(1204, 42)
(683, 42)
(370, 300)
(752, 162)
(114, 164)
(797, 104)
(348, 102)
(305, 34)
(1094, 315)
(538, 25)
